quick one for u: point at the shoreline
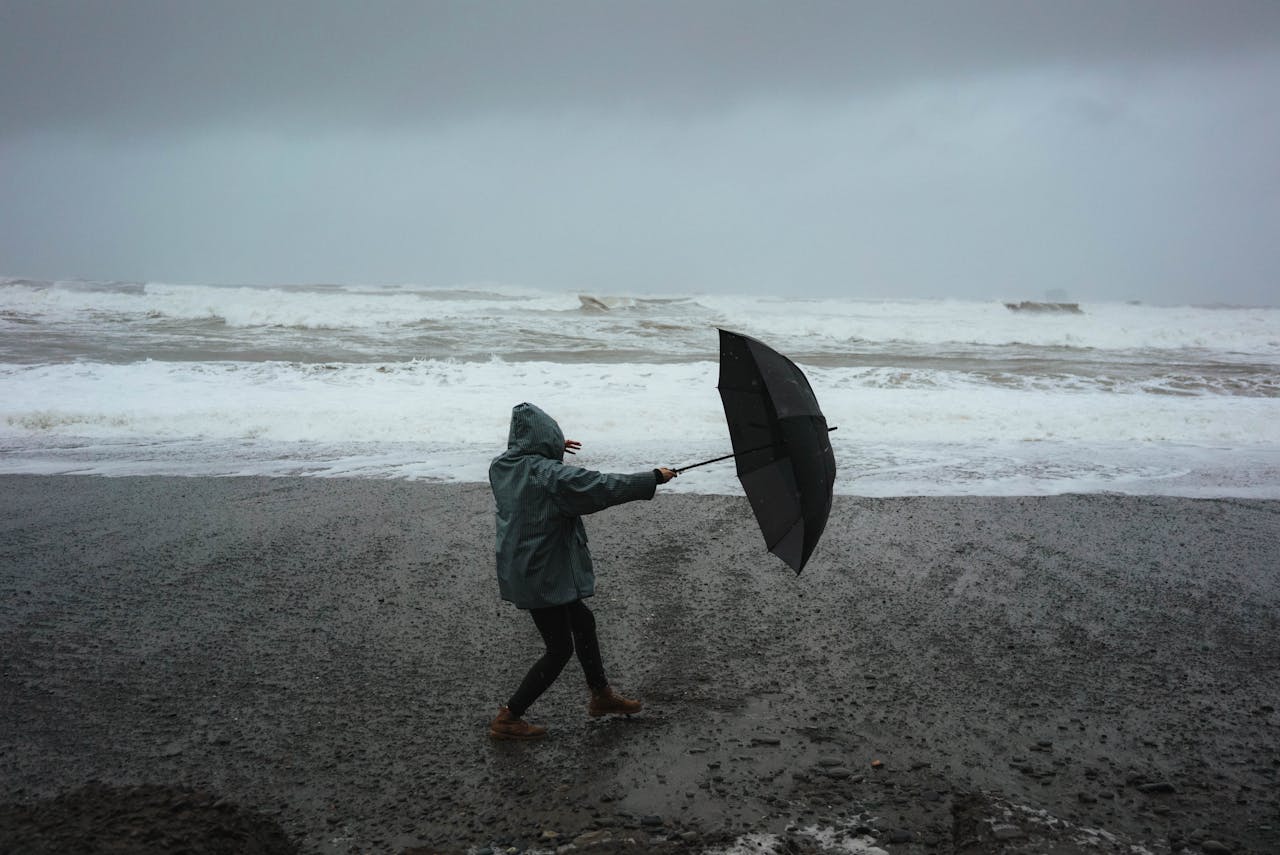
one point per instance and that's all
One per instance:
(993, 469)
(329, 652)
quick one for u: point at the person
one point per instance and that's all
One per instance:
(543, 562)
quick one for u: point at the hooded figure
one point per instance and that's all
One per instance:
(542, 557)
(542, 545)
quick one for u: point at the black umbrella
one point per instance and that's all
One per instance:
(780, 443)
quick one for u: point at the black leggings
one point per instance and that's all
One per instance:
(564, 629)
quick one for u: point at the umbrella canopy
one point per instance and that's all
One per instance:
(781, 445)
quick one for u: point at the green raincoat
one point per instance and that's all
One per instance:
(542, 545)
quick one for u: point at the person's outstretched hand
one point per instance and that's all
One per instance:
(665, 474)
(572, 446)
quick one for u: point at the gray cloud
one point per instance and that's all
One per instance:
(134, 67)
(1118, 150)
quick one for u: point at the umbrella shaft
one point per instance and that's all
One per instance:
(735, 454)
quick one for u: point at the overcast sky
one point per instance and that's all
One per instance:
(1113, 149)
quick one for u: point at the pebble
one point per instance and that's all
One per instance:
(1157, 787)
(591, 838)
(1214, 847)
(1007, 832)
(651, 820)
(900, 836)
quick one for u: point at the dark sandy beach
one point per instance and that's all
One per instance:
(1079, 672)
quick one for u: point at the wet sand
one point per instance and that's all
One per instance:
(1092, 671)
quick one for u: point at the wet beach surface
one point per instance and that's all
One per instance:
(1066, 674)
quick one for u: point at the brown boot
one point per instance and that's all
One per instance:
(507, 726)
(605, 702)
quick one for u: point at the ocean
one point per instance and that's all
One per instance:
(931, 397)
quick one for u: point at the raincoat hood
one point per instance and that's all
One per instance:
(534, 432)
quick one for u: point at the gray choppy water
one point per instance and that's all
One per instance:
(935, 395)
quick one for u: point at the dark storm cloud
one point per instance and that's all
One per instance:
(1116, 149)
(134, 67)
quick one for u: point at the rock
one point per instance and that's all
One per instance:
(1157, 787)
(1214, 847)
(651, 821)
(766, 740)
(837, 772)
(900, 836)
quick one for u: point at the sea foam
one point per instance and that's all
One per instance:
(930, 397)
